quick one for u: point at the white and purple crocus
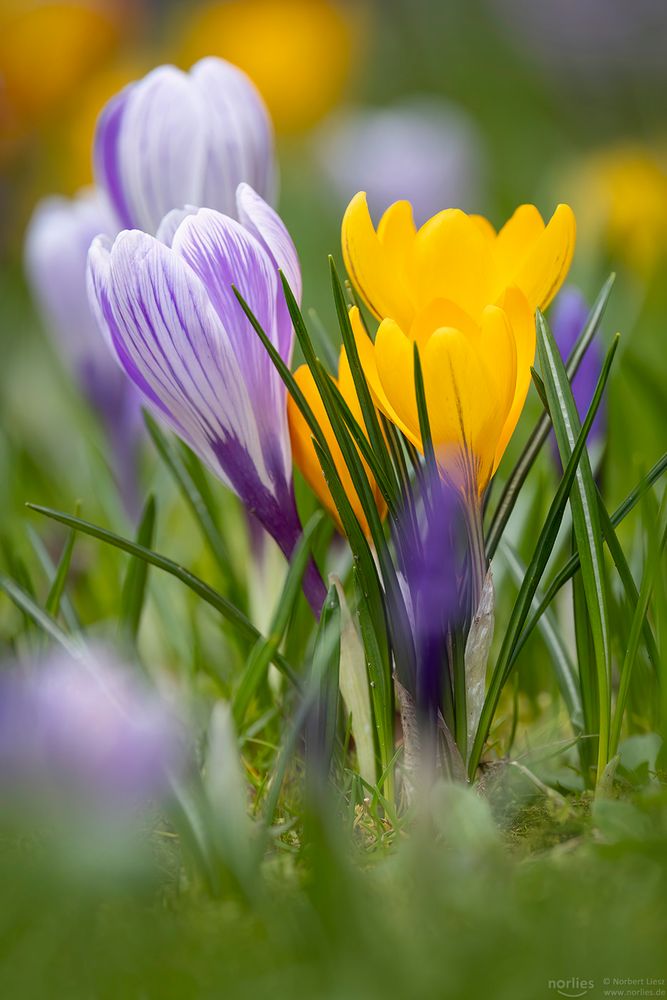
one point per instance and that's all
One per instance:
(175, 138)
(168, 308)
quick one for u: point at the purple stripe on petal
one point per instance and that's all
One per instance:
(106, 155)
(240, 144)
(223, 254)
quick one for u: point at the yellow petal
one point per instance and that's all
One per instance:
(304, 452)
(496, 346)
(453, 260)
(516, 238)
(522, 321)
(484, 226)
(441, 312)
(372, 267)
(463, 407)
(394, 358)
(534, 257)
(397, 232)
(367, 357)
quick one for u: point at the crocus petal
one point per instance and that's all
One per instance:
(269, 229)
(240, 144)
(177, 138)
(163, 120)
(544, 267)
(172, 343)
(56, 248)
(452, 260)
(394, 356)
(397, 233)
(172, 220)
(464, 409)
(366, 351)
(224, 255)
(106, 155)
(522, 321)
(304, 452)
(372, 267)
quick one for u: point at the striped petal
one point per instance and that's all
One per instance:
(173, 345)
(175, 138)
(155, 143)
(225, 255)
(240, 144)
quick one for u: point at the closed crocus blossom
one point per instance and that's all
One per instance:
(466, 296)
(170, 313)
(177, 138)
(56, 251)
(303, 449)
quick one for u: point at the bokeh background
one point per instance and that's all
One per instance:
(480, 104)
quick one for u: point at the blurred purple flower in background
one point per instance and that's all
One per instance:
(420, 149)
(173, 320)
(174, 139)
(56, 251)
(84, 732)
(569, 315)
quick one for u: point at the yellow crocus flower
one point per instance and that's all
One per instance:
(304, 452)
(466, 296)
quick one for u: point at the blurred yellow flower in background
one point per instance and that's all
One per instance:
(76, 159)
(46, 51)
(466, 296)
(304, 452)
(299, 53)
(620, 194)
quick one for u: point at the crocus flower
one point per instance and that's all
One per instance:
(175, 139)
(303, 449)
(466, 296)
(83, 731)
(171, 316)
(425, 150)
(570, 313)
(56, 251)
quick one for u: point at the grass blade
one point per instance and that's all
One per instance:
(57, 588)
(586, 521)
(536, 567)
(653, 562)
(265, 649)
(224, 607)
(375, 436)
(572, 565)
(134, 586)
(196, 500)
(540, 433)
(26, 603)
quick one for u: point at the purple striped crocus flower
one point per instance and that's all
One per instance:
(570, 312)
(175, 138)
(56, 250)
(171, 316)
